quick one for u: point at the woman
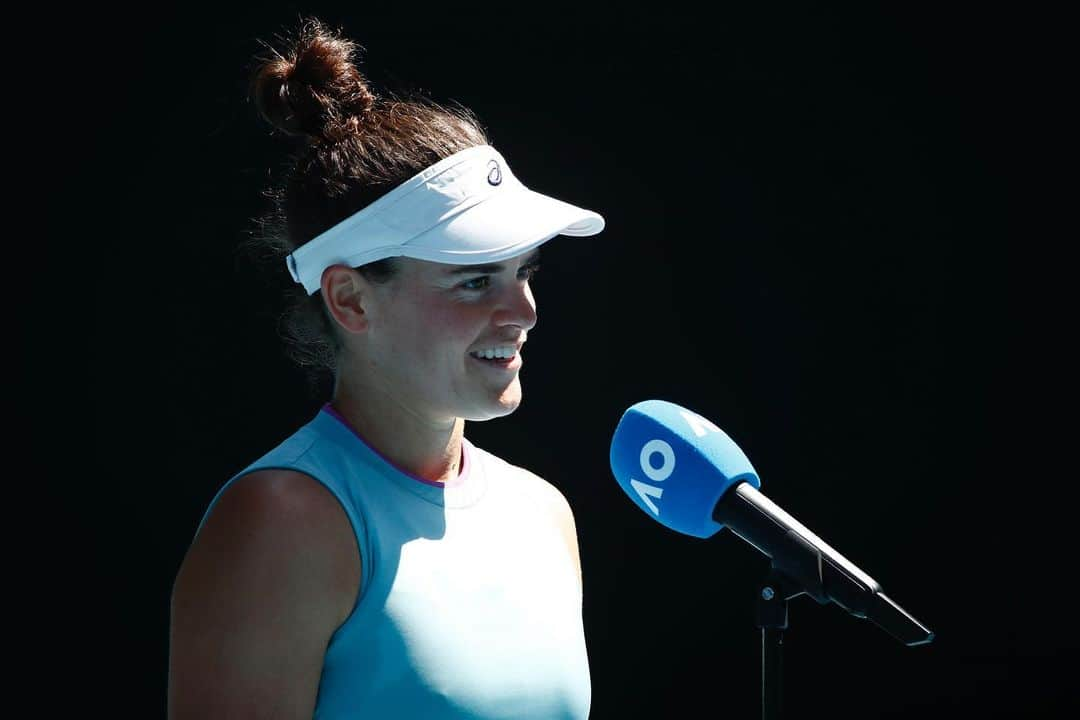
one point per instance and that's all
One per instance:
(376, 563)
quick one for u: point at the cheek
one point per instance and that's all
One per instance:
(443, 331)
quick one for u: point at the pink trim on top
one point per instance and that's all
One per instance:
(463, 471)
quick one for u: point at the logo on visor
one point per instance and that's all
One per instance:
(494, 174)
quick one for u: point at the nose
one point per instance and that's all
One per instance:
(517, 307)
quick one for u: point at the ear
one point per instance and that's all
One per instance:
(346, 293)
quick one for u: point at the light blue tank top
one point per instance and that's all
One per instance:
(469, 604)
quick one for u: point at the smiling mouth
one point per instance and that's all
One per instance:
(497, 362)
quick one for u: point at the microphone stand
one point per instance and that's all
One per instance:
(803, 564)
(771, 613)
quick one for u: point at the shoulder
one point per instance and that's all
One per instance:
(288, 495)
(270, 576)
(546, 493)
(282, 519)
(288, 501)
(562, 513)
(552, 495)
(533, 484)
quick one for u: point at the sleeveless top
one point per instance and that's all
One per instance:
(469, 605)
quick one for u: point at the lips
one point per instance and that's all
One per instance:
(497, 360)
(510, 363)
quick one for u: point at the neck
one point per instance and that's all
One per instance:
(429, 449)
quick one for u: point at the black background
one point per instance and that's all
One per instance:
(824, 228)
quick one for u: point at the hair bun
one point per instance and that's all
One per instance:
(314, 88)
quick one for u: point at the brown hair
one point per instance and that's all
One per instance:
(354, 148)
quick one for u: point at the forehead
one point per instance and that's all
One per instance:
(426, 268)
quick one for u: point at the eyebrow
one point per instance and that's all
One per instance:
(491, 268)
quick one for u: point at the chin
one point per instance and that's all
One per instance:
(501, 407)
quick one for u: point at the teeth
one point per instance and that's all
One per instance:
(500, 352)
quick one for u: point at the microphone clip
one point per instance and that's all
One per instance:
(771, 608)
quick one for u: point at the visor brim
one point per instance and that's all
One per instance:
(503, 226)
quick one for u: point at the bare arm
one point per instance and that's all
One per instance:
(272, 574)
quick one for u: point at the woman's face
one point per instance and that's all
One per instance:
(432, 326)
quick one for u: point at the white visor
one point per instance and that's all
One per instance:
(466, 209)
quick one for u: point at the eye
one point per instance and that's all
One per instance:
(478, 283)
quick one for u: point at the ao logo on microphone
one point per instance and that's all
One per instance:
(659, 473)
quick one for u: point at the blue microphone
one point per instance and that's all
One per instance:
(687, 474)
